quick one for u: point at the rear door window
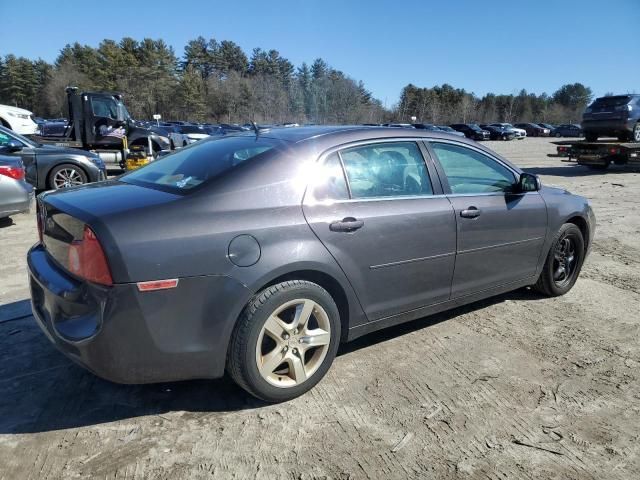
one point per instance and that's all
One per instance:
(200, 163)
(386, 170)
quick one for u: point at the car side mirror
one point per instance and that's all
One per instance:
(13, 146)
(528, 182)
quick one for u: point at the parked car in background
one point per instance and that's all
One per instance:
(614, 116)
(499, 133)
(448, 129)
(398, 125)
(16, 195)
(520, 132)
(230, 127)
(568, 130)
(277, 254)
(53, 128)
(533, 129)
(193, 132)
(18, 119)
(176, 137)
(552, 128)
(426, 126)
(471, 130)
(50, 168)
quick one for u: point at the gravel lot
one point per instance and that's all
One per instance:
(518, 386)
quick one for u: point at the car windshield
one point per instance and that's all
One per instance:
(190, 167)
(7, 135)
(123, 113)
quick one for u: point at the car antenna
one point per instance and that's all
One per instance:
(255, 128)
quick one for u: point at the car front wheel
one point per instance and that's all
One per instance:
(563, 263)
(285, 341)
(66, 175)
(636, 132)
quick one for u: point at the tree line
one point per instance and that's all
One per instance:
(217, 81)
(446, 104)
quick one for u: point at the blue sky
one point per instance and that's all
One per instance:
(481, 45)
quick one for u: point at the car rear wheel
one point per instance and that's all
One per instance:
(66, 175)
(285, 341)
(563, 263)
(636, 133)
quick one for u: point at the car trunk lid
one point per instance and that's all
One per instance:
(65, 215)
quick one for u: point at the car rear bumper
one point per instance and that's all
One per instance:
(17, 197)
(127, 336)
(609, 126)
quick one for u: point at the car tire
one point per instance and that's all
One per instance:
(66, 175)
(566, 253)
(635, 135)
(591, 137)
(558, 135)
(269, 349)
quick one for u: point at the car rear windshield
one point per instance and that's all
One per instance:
(193, 166)
(615, 101)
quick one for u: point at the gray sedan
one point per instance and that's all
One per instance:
(259, 253)
(16, 195)
(51, 167)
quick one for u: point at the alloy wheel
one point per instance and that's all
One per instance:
(67, 177)
(636, 132)
(564, 261)
(293, 342)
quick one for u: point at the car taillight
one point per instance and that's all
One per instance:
(87, 259)
(17, 173)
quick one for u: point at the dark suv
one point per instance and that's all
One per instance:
(617, 116)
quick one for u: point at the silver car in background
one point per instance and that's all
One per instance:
(16, 195)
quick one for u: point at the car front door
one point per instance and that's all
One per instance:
(384, 219)
(500, 233)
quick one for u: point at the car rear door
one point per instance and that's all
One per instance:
(500, 233)
(384, 219)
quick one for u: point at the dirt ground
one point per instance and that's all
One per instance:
(518, 386)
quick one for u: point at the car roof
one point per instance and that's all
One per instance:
(336, 134)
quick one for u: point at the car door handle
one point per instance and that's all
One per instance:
(471, 212)
(348, 224)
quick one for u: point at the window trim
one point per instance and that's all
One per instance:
(443, 176)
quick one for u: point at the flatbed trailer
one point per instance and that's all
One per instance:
(598, 155)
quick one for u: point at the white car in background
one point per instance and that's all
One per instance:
(18, 119)
(520, 132)
(194, 132)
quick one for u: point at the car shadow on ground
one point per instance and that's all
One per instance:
(581, 170)
(44, 391)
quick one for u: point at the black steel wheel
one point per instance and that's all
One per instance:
(563, 263)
